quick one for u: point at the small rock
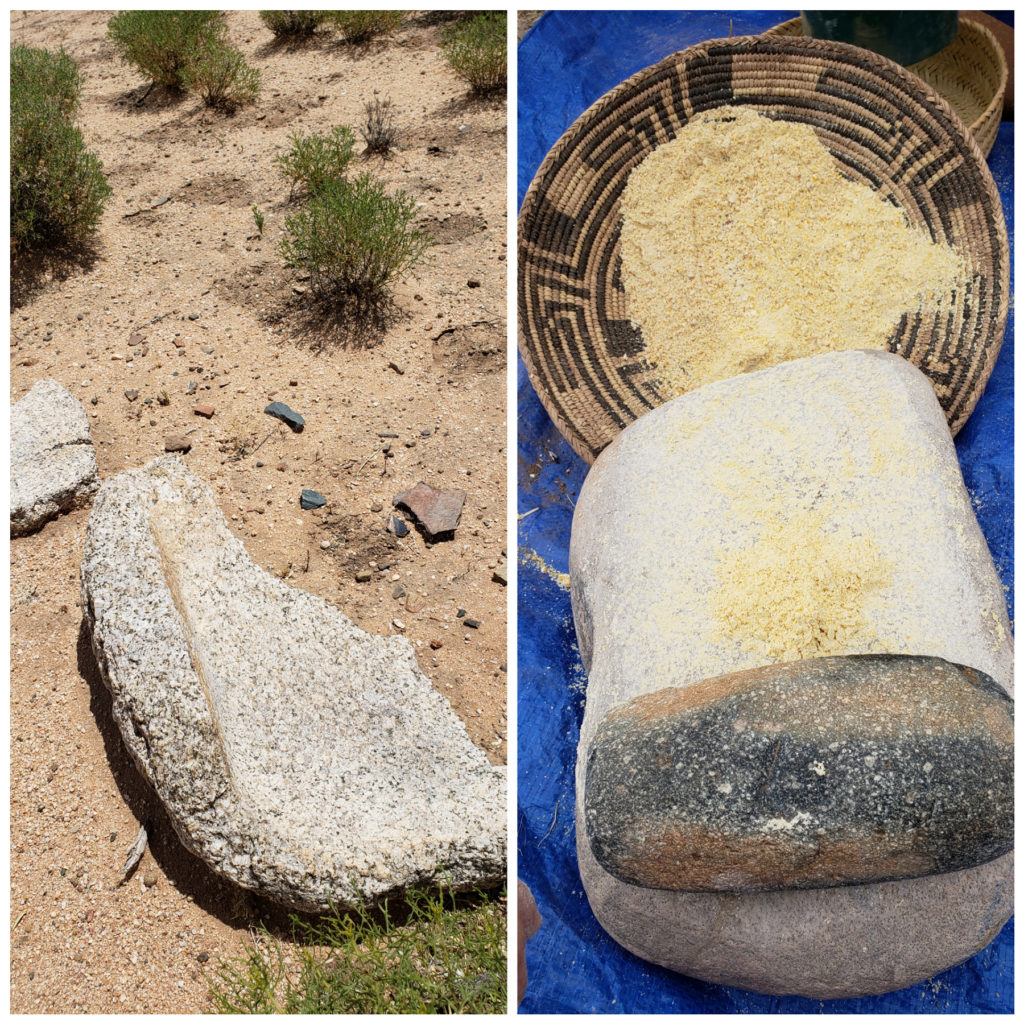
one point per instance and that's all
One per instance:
(397, 527)
(203, 957)
(376, 505)
(397, 367)
(94, 400)
(472, 284)
(193, 316)
(325, 545)
(293, 383)
(286, 415)
(149, 879)
(426, 432)
(364, 576)
(460, 613)
(438, 512)
(398, 624)
(282, 467)
(501, 573)
(179, 342)
(131, 394)
(471, 623)
(177, 443)
(204, 410)
(398, 593)
(312, 499)
(436, 644)
(208, 349)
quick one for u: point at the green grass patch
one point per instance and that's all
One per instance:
(431, 953)
(58, 189)
(354, 239)
(361, 26)
(476, 51)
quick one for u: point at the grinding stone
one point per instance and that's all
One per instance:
(861, 435)
(53, 464)
(296, 754)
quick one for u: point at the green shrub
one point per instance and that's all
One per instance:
(359, 26)
(162, 44)
(292, 23)
(476, 50)
(221, 76)
(42, 73)
(353, 238)
(58, 190)
(314, 160)
(447, 956)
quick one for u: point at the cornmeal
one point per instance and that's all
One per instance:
(743, 246)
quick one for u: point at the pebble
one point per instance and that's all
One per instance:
(376, 505)
(312, 499)
(131, 394)
(325, 545)
(204, 410)
(397, 527)
(398, 593)
(398, 624)
(286, 415)
(471, 623)
(192, 385)
(364, 576)
(397, 367)
(149, 879)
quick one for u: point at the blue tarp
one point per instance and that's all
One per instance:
(568, 60)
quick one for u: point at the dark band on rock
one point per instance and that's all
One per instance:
(809, 774)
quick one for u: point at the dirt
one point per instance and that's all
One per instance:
(188, 293)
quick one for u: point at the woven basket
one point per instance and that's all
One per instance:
(970, 73)
(884, 127)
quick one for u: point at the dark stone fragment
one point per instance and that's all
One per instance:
(387, 435)
(131, 394)
(817, 773)
(312, 499)
(460, 613)
(471, 623)
(286, 415)
(397, 527)
(203, 957)
(438, 512)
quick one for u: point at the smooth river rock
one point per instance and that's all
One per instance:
(53, 464)
(818, 508)
(296, 754)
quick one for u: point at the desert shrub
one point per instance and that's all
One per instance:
(476, 50)
(40, 73)
(292, 23)
(58, 190)
(314, 160)
(162, 44)
(354, 239)
(379, 131)
(359, 26)
(221, 76)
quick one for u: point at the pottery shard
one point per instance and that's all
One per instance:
(438, 512)
(53, 465)
(295, 754)
(828, 771)
(839, 474)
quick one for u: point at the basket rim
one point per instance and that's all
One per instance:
(967, 26)
(924, 95)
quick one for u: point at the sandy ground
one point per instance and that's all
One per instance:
(184, 303)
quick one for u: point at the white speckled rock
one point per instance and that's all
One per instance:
(53, 465)
(858, 439)
(296, 754)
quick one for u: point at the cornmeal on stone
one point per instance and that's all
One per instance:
(744, 246)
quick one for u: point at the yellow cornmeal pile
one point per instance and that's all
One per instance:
(801, 590)
(743, 246)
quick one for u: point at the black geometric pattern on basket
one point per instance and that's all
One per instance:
(886, 129)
